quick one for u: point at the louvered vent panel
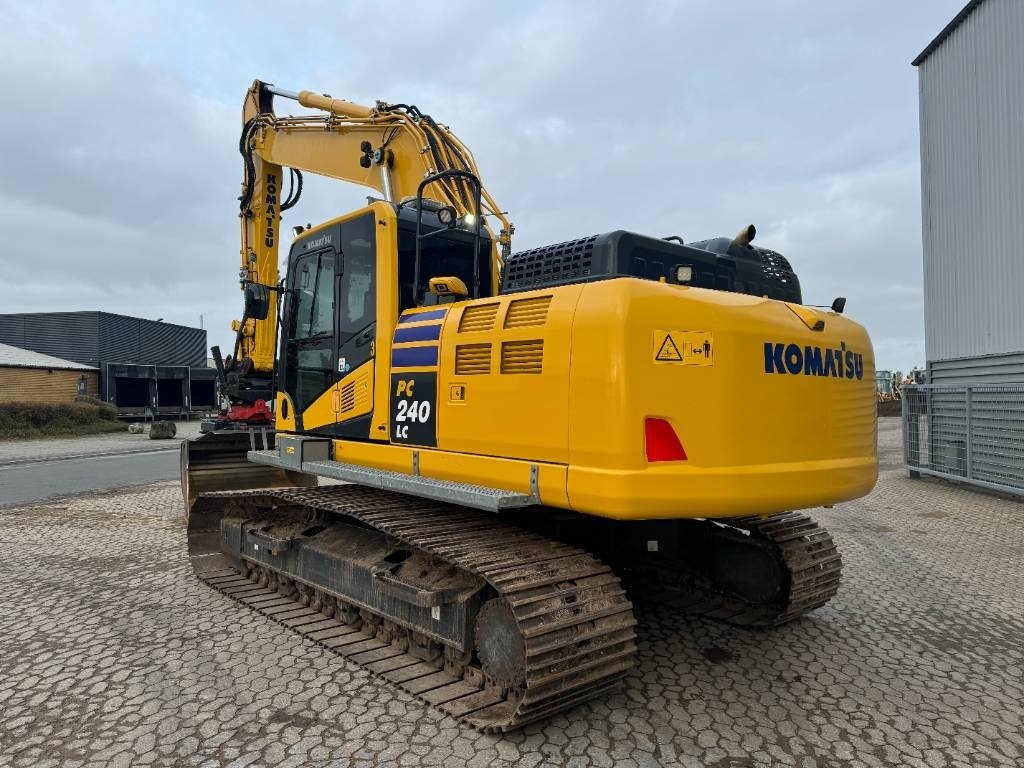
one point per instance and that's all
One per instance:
(478, 318)
(522, 356)
(348, 397)
(523, 313)
(472, 359)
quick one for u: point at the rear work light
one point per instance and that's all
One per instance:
(661, 441)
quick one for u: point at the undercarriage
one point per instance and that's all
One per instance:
(497, 624)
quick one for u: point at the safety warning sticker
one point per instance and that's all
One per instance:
(686, 347)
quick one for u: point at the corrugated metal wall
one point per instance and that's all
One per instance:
(125, 339)
(989, 369)
(67, 335)
(42, 385)
(94, 338)
(972, 180)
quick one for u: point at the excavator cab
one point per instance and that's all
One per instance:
(347, 282)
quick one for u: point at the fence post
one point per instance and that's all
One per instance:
(970, 438)
(911, 431)
(905, 424)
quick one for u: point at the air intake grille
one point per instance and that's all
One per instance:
(549, 265)
(472, 359)
(775, 265)
(478, 318)
(523, 313)
(522, 356)
(348, 397)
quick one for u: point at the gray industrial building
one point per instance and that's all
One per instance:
(967, 423)
(146, 367)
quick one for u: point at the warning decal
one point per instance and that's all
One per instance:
(686, 347)
(668, 352)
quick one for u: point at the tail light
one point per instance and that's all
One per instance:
(661, 442)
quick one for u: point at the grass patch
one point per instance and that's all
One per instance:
(28, 420)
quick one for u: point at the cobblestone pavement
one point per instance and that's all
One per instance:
(112, 654)
(17, 451)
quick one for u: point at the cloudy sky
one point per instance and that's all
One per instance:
(694, 118)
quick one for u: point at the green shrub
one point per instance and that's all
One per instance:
(107, 411)
(18, 420)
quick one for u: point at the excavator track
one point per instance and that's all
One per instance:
(558, 630)
(807, 557)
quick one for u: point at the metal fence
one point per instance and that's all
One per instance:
(974, 434)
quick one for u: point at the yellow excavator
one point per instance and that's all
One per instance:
(448, 461)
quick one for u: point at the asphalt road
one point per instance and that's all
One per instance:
(29, 482)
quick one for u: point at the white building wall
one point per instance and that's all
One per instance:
(972, 178)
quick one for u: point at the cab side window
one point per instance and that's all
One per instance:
(314, 314)
(357, 305)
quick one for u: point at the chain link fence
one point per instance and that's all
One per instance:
(973, 434)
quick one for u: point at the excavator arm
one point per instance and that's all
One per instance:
(391, 148)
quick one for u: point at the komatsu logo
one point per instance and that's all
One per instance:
(271, 210)
(813, 361)
(318, 242)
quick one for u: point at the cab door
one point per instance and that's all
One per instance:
(355, 320)
(310, 350)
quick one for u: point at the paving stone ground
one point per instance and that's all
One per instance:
(112, 654)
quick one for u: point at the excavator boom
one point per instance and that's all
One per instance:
(390, 148)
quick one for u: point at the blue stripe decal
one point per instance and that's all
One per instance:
(415, 317)
(418, 333)
(409, 357)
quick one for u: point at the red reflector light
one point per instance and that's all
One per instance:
(661, 441)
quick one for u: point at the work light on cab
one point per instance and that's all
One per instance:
(447, 215)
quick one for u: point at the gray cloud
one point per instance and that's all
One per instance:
(664, 117)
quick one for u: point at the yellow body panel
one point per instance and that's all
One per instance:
(284, 412)
(522, 413)
(759, 438)
(756, 442)
(349, 398)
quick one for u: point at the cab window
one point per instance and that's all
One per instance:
(310, 348)
(357, 306)
(314, 275)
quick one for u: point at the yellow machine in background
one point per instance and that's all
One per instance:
(520, 431)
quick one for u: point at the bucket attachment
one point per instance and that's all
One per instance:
(217, 461)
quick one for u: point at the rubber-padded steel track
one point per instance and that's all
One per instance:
(571, 611)
(805, 550)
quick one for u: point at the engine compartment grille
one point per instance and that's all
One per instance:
(472, 359)
(524, 313)
(479, 317)
(522, 356)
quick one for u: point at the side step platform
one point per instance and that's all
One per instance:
(463, 494)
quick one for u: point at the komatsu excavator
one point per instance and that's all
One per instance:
(520, 436)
